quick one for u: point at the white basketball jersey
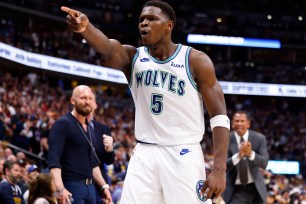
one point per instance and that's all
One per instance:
(169, 106)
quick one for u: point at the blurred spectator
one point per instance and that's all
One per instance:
(20, 156)
(271, 198)
(295, 195)
(10, 192)
(45, 127)
(6, 131)
(22, 132)
(119, 167)
(1, 152)
(32, 172)
(2, 127)
(2, 160)
(12, 157)
(283, 197)
(7, 152)
(117, 190)
(42, 190)
(36, 132)
(22, 183)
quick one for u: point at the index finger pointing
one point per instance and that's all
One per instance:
(69, 11)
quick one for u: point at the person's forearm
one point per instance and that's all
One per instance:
(221, 141)
(98, 176)
(97, 40)
(57, 178)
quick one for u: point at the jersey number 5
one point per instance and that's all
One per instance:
(156, 103)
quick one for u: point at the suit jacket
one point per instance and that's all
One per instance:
(259, 146)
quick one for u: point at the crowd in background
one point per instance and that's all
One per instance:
(42, 29)
(62, 43)
(28, 112)
(30, 103)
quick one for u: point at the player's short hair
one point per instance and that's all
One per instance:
(164, 6)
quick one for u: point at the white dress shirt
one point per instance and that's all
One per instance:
(236, 158)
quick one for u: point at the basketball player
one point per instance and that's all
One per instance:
(169, 83)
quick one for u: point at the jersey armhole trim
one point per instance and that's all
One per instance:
(190, 77)
(133, 64)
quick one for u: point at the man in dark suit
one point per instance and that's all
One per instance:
(247, 153)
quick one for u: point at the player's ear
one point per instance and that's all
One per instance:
(170, 27)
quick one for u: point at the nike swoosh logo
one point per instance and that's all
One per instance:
(144, 59)
(184, 151)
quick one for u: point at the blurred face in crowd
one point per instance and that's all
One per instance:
(270, 199)
(120, 154)
(12, 158)
(13, 174)
(20, 155)
(1, 167)
(7, 152)
(82, 100)
(240, 123)
(33, 175)
(1, 153)
(23, 171)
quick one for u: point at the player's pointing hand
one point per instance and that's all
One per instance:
(77, 21)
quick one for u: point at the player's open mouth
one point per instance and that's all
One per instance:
(143, 33)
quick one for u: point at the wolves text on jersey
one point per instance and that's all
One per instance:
(157, 78)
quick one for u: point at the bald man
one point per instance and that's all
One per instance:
(72, 160)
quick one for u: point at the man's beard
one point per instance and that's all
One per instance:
(14, 179)
(82, 111)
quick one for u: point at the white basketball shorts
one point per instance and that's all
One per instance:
(164, 175)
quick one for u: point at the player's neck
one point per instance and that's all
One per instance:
(161, 52)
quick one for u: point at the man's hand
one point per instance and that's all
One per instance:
(77, 21)
(246, 148)
(241, 153)
(63, 196)
(108, 143)
(107, 197)
(215, 184)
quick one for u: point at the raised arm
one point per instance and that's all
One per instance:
(204, 74)
(113, 53)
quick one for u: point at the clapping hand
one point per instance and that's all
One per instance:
(245, 149)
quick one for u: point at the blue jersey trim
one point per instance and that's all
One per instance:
(133, 65)
(166, 60)
(190, 77)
